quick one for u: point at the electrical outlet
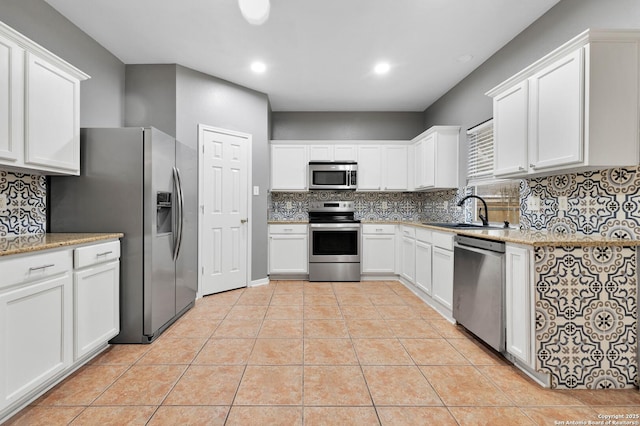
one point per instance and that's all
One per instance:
(3, 202)
(533, 204)
(384, 205)
(289, 205)
(563, 205)
(256, 190)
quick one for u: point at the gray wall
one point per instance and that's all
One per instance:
(102, 96)
(346, 125)
(466, 105)
(175, 99)
(150, 96)
(203, 99)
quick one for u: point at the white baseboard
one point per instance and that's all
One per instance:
(261, 281)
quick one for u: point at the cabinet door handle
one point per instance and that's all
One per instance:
(520, 168)
(533, 166)
(37, 268)
(104, 253)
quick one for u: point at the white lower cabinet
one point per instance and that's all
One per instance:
(423, 278)
(36, 336)
(96, 289)
(443, 268)
(53, 317)
(518, 303)
(288, 249)
(408, 254)
(378, 249)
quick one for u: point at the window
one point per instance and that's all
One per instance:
(502, 196)
(503, 201)
(480, 166)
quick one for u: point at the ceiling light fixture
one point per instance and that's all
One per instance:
(258, 67)
(256, 12)
(464, 58)
(382, 68)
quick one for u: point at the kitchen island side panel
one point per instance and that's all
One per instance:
(586, 305)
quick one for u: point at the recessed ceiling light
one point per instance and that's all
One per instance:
(382, 68)
(256, 12)
(258, 67)
(464, 58)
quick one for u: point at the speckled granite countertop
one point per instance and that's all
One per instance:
(511, 235)
(36, 242)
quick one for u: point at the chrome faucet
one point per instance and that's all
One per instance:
(485, 218)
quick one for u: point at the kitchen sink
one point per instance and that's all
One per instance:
(461, 225)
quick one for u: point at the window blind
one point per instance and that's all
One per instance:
(480, 167)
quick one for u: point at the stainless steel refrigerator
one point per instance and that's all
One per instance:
(130, 182)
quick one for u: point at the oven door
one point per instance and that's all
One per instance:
(334, 242)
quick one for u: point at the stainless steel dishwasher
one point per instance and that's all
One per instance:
(478, 288)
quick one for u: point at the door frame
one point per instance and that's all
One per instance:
(248, 138)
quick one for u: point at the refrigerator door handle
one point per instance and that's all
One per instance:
(180, 212)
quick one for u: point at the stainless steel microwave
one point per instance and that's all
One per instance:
(333, 175)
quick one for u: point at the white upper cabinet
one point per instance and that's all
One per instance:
(369, 167)
(332, 152)
(11, 101)
(289, 167)
(345, 153)
(383, 167)
(39, 108)
(435, 160)
(52, 130)
(510, 120)
(556, 92)
(575, 109)
(320, 153)
(394, 168)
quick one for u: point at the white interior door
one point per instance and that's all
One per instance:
(224, 195)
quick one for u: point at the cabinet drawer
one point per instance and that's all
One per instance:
(443, 240)
(370, 228)
(409, 231)
(32, 267)
(288, 229)
(424, 235)
(96, 253)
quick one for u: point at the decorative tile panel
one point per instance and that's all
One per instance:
(375, 206)
(26, 204)
(586, 316)
(605, 202)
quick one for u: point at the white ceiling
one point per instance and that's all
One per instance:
(319, 53)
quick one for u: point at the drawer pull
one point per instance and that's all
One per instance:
(104, 253)
(379, 230)
(288, 229)
(37, 268)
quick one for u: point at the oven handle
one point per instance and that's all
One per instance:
(341, 226)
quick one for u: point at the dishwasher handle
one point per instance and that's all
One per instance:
(479, 243)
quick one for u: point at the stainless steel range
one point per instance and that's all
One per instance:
(334, 241)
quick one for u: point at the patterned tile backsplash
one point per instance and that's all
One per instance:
(585, 316)
(438, 206)
(25, 212)
(605, 202)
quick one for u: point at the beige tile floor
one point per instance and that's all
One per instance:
(293, 353)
